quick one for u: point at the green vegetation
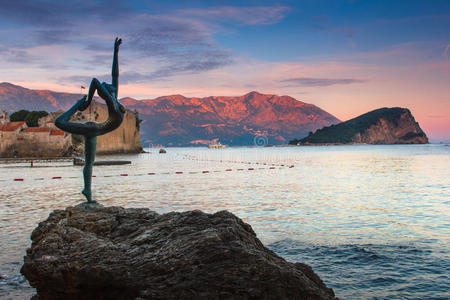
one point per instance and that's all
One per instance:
(19, 115)
(138, 121)
(30, 117)
(345, 131)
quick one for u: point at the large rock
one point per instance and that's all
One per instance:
(95, 252)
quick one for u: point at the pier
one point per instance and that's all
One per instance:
(77, 161)
(17, 160)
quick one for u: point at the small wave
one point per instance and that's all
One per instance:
(361, 271)
(13, 280)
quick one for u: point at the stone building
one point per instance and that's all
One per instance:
(49, 120)
(8, 135)
(18, 140)
(4, 117)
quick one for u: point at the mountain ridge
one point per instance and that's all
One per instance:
(176, 120)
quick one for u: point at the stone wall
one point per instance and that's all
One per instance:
(124, 139)
(6, 140)
(35, 144)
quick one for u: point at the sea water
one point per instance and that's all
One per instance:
(372, 221)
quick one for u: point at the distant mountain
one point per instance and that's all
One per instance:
(14, 98)
(179, 121)
(244, 120)
(381, 126)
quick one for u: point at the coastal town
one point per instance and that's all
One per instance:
(17, 139)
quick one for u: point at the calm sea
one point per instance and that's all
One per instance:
(373, 221)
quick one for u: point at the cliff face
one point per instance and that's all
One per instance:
(95, 252)
(382, 126)
(403, 130)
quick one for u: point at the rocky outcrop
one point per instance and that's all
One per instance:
(95, 252)
(382, 126)
(401, 130)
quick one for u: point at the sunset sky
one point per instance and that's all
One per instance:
(347, 57)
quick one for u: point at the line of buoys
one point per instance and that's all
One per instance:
(167, 173)
(190, 157)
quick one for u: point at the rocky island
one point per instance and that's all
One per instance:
(381, 126)
(96, 252)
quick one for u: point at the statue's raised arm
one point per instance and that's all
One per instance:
(115, 66)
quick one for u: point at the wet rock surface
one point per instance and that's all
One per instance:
(95, 252)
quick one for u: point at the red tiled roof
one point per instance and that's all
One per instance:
(12, 126)
(56, 132)
(36, 129)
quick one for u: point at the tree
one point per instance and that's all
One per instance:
(33, 117)
(19, 115)
(30, 117)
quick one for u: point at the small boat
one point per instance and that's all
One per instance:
(217, 146)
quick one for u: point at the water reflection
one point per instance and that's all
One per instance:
(334, 195)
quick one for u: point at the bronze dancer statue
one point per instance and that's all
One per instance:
(90, 130)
